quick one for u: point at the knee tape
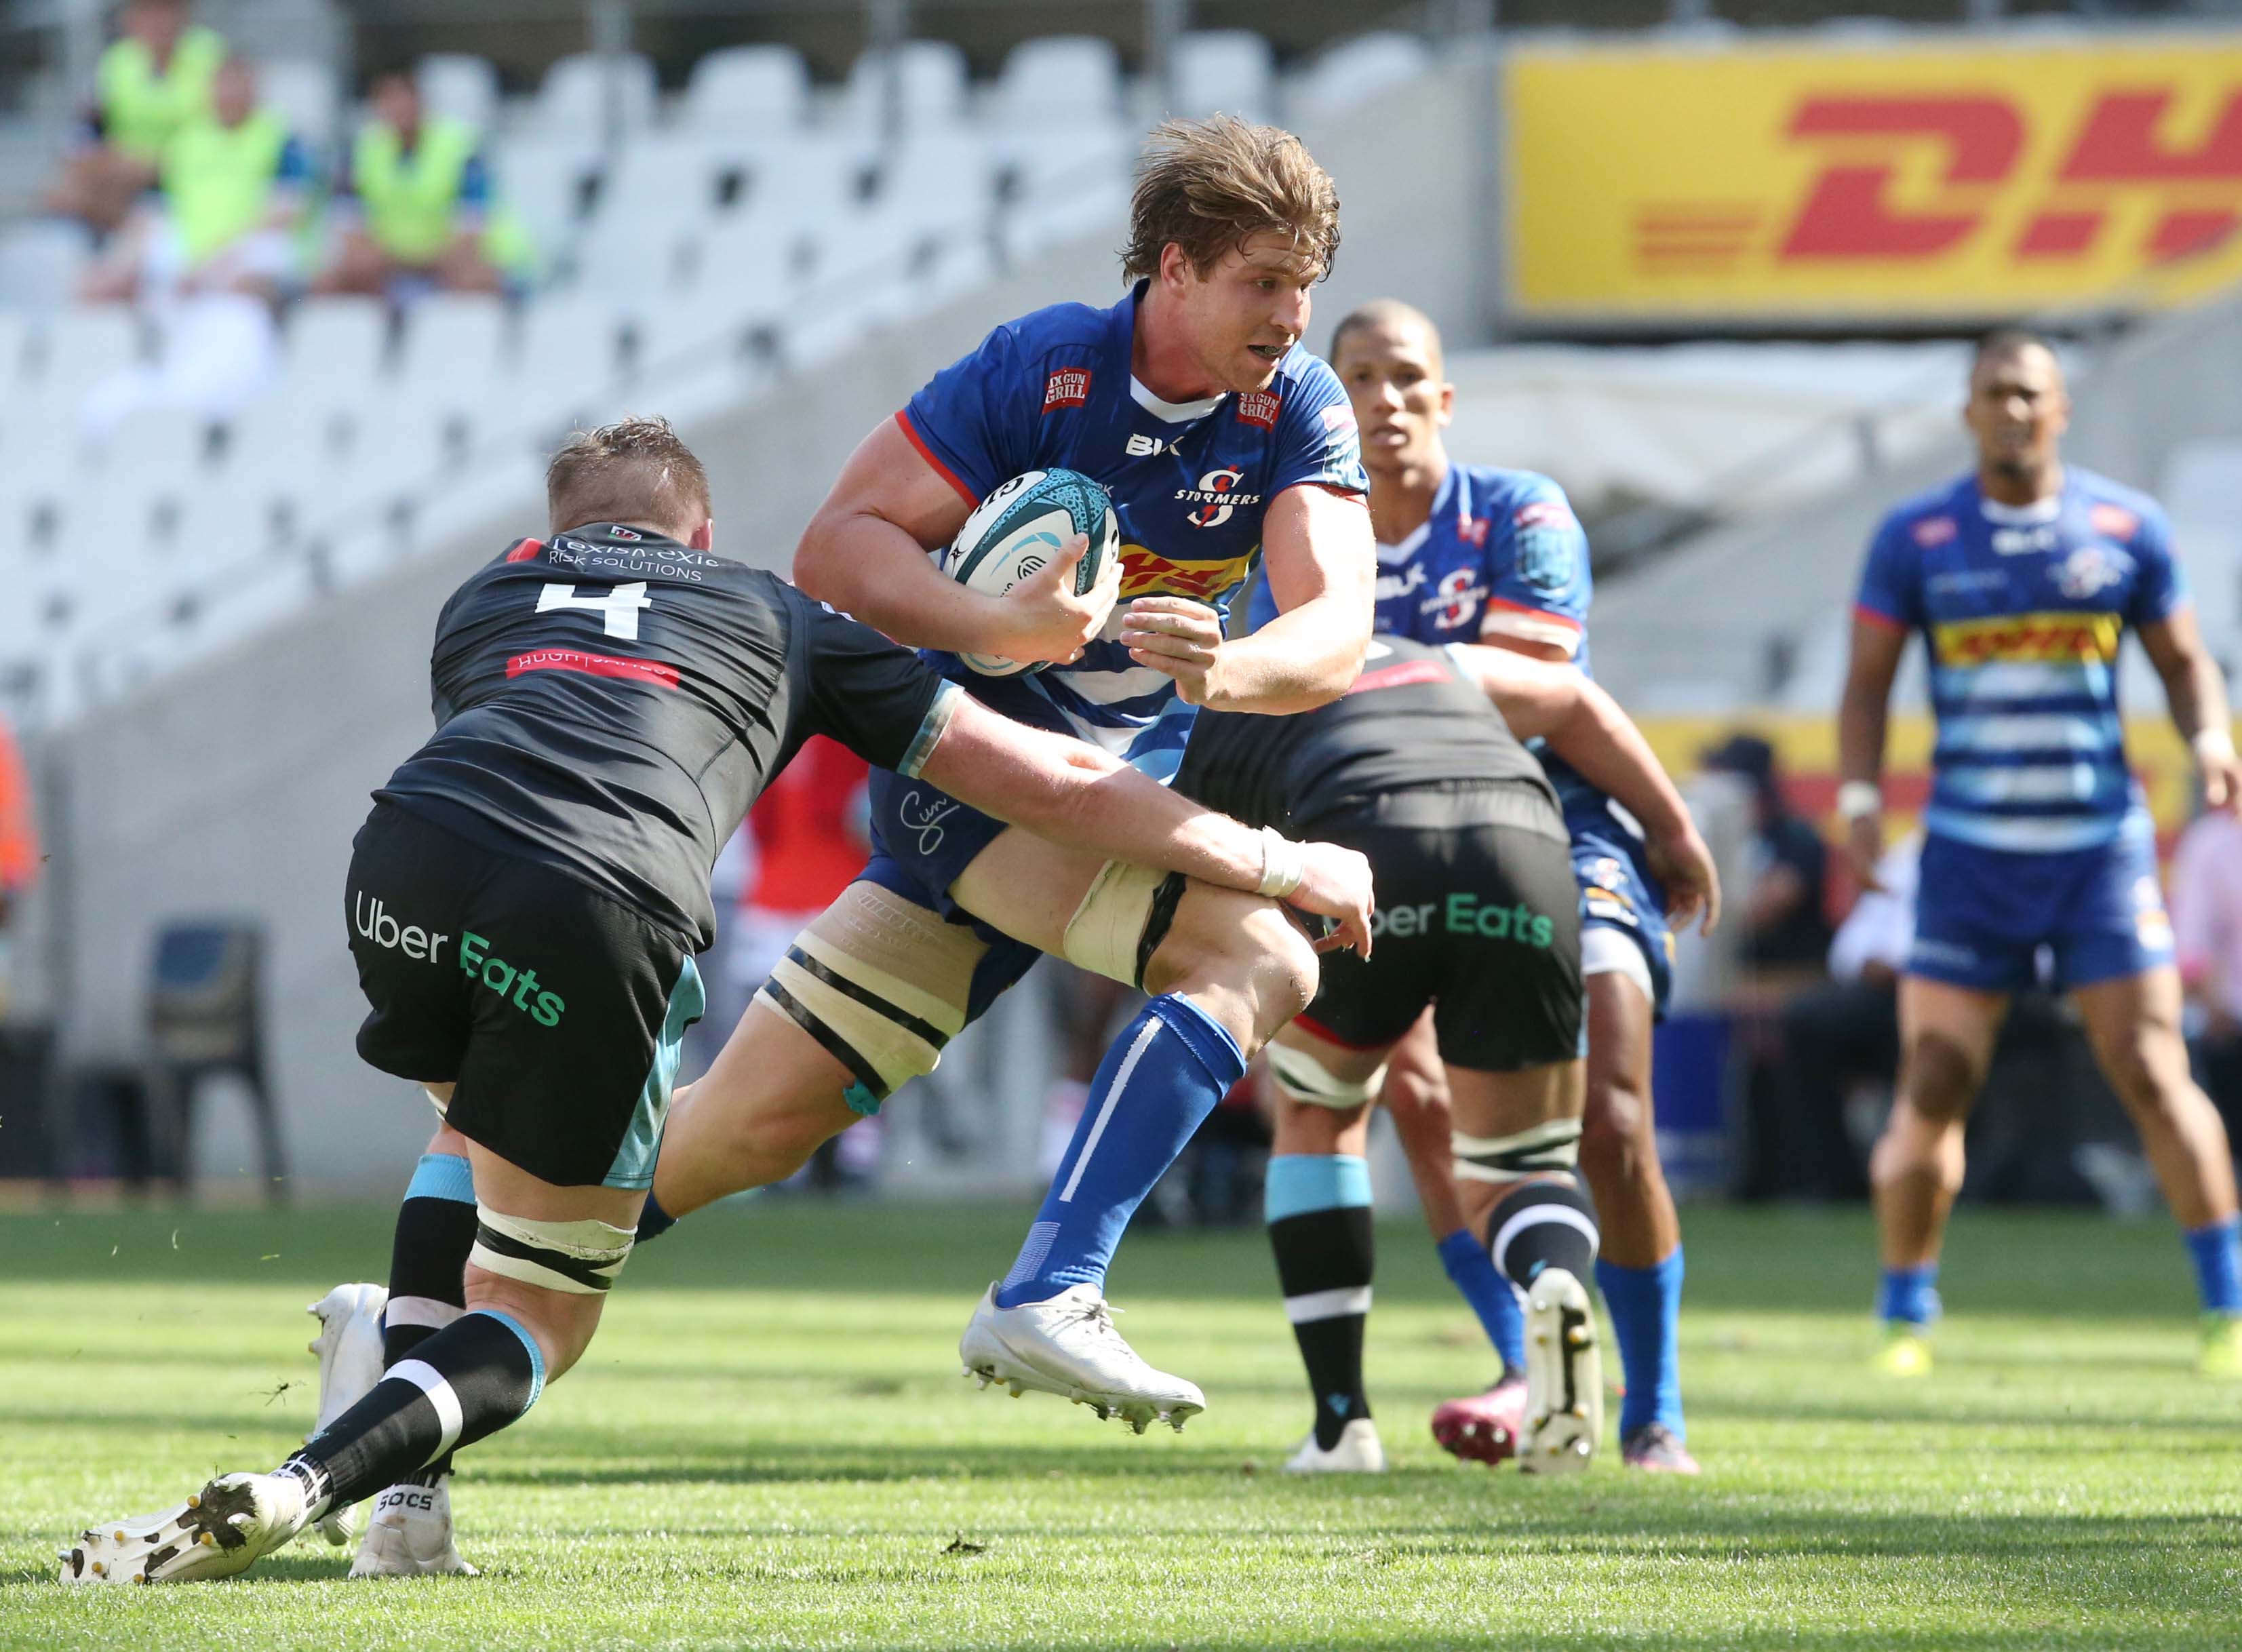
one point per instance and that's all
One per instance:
(1553, 1144)
(881, 983)
(1304, 1078)
(580, 1258)
(1122, 921)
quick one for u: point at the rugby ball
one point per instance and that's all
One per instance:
(1016, 531)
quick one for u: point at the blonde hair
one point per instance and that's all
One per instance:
(635, 470)
(1209, 185)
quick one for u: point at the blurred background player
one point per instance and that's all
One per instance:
(1479, 919)
(154, 78)
(228, 210)
(1471, 553)
(2023, 577)
(416, 208)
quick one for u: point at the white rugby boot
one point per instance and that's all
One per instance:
(233, 1522)
(1069, 1347)
(410, 1535)
(349, 1349)
(1358, 1451)
(1564, 1377)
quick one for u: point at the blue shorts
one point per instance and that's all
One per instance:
(922, 838)
(1981, 915)
(1619, 891)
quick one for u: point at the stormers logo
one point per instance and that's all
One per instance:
(1216, 496)
(2033, 639)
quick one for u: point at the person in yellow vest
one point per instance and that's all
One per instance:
(230, 197)
(154, 78)
(416, 208)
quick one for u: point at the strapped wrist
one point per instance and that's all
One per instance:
(1284, 864)
(2214, 744)
(1858, 799)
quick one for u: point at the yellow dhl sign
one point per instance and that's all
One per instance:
(1955, 179)
(2039, 638)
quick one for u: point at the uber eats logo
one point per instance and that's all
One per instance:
(1464, 913)
(519, 987)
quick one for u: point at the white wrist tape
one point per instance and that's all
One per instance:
(2213, 745)
(1858, 799)
(1283, 865)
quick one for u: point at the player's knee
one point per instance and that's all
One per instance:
(1241, 948)
(2148, 1071)
(551, 1276)
(1939, 1076)
(561, 1325)
(1280, 965)
(1612, 1127)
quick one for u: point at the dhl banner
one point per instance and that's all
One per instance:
(1955, 180)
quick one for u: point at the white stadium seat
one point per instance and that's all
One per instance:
(460, 85)
(594, 92)
(940, 180)
(566, 359)
(305, 95)
(41, 262)
(659, 185)
(928, 88)
(279, 453)
(758, 90)
(453, 356)
(333, 350)
(155, 453)
(803, 183)
(544, 179)
(748, 261)
(15, 355)
(1360, 68)
(1074, 77)
(81, 348)
(1229, 71)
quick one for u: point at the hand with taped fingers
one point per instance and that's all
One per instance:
(1334, 883)
(1043, 620)
(1178, 637)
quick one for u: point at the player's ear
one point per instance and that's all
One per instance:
(704, 537)
(1445, 415)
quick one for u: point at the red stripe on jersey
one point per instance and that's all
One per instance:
(1565, 620)
(596, 665)
(1395, 677)
(1874, 616)
(912, 435)
(1317, 1029)
(524, 551)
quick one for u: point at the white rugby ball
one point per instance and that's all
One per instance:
(1016, 532)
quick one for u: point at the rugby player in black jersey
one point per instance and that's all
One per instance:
(525, 898)
(1479, 917)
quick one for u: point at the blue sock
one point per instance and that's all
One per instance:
(1471, 1270)
(2216, 1249)
(1646, 1311)
(1157, 1084)
(1909, 1295)
(652, 1220)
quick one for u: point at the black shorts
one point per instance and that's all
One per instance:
(1478, 915)
(556, 1013)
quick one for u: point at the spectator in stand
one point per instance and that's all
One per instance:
(2206, 911)
(1787, 933)
(417, 208)
(153, 79)
(19, 840)
(234, 182)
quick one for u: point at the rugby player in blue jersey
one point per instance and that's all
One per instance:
(2022, 578)
(1470, 554)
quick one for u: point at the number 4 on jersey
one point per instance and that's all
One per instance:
(619, 607)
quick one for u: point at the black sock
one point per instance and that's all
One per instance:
(1537, 1225)
(1320, 1228)
(427, 1265)
(467, 1380)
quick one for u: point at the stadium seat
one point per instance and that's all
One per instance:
(595, 93)
(1071, 76)
(940, 180)
(81, 346)
(930, 89)
(452, 356)
(803, 183)
(41, 263)
(280, 453)
(333, 350)
(749, 261)
(1359, 69)
(397, 451)
(660, 185)
(305, 95)
(15, 355)
(460, 85)
(155, 453)
(566, 359)
(546, 179)
(760, 91)
(1229, 70)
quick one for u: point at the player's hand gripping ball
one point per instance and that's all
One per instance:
(1019, 530)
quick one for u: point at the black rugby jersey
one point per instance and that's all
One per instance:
(1411, 722)
(609, 703)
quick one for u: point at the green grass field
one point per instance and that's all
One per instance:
(769, 1446)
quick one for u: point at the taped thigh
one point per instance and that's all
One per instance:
(881, 983)
(1553, 1144)
(580, 1258)
(1303, 1077)
(1122, 921)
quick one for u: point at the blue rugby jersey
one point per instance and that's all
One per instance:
(2024, 611)
(1191, 483)
(1500, 556)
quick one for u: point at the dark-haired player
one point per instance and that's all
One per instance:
(2023, 577)
(524, 905)
(1478, 918)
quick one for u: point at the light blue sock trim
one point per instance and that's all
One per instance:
(442, 1176)
(536, 1354)
(1298, 1183)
